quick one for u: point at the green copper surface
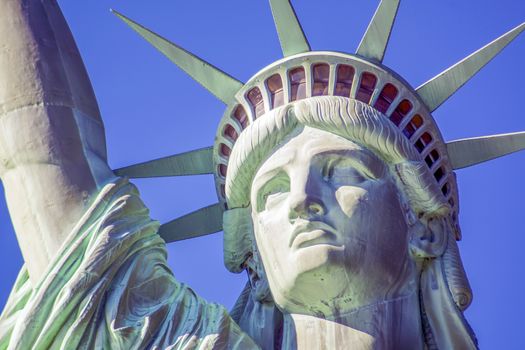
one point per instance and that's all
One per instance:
(201, 222)
(374, 42)
(466, 152)
(189, 163)
(220, 84)
(291, 35)
(438, 89)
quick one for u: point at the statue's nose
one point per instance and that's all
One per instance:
(305, 202)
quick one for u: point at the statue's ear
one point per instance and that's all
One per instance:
(428, 237)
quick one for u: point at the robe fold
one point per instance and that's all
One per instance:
(110, 288)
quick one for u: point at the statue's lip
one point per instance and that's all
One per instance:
(311, 233)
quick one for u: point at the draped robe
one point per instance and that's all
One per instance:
(110, 287)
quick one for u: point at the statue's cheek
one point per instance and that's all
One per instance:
(351, 199)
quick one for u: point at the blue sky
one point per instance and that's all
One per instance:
(152, 109)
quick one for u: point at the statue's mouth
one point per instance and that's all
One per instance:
(311, 233)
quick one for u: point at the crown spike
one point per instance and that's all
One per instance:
(220, 84)
(195, 162)
(375, 41)
(438, 89)
(291, 34)
(467, 152)
(201, 222)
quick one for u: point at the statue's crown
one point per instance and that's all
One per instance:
(317, 73)
(303, 73)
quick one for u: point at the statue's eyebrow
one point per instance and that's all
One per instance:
(261, 178)
(362, 159)
(277, 164)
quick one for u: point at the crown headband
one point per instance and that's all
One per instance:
(304, 73)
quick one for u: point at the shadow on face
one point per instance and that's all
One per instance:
(329, 225)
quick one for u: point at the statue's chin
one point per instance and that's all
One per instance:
(320, 281)
(315, 258)
(316, 282)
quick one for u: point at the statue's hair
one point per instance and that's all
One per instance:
(455, 274)
(359, 123)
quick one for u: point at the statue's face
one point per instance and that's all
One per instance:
(329, 226)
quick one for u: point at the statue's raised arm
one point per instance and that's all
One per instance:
(95, 272)
(52, 148)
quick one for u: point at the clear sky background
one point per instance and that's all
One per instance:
(152, 109)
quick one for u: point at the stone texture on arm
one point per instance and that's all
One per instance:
(52, 147)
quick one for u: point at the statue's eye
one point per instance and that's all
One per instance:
(272, 196)
(342, 171)
(273, 192)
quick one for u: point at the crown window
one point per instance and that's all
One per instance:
(345, 77)
(225, 150)
(230, 132)
(386, 97)
(400, 112)
(222, 169)
(432, 157)
(423, 142)
(439, 174)
(414, 124)
(240, 115)
(321, 74)
(445, 189)
(366, 87)
(256, 100)
(297, 84)
(275, 87)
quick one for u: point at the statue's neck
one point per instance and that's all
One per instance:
(393, 324)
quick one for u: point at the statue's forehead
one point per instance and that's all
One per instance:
(303, 145)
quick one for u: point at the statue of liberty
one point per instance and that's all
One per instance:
(336, 194)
